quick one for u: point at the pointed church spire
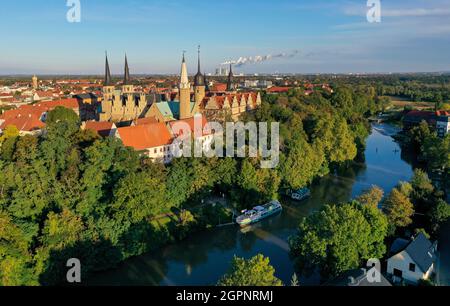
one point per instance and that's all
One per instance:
(107, 72)
(230, 79)
(199, 79)
(126, 78)
(198, 71)
(184, 80)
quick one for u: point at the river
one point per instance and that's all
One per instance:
(204, 257)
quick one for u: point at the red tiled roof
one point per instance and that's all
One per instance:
(219, 87)
(102, 128)
(278, 89)
(68, 103)
(147, 120)
(191, 123)
(141, 137)
(27, 117)
(24, 123)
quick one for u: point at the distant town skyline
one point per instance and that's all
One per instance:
(284, 36)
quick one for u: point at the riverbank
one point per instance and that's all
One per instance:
(203, 258)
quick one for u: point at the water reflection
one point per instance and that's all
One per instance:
(203, 258)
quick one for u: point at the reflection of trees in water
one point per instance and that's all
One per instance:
(142, 270)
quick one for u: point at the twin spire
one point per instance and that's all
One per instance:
(108, 79)
(199, 79)
(107, 73)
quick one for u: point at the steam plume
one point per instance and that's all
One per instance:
(260, 58)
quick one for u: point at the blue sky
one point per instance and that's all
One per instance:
(329, 36)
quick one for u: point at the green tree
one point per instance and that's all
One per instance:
(10, 131)
(302, 164)
(371, 197)
(439, 214)
(256, 271)
(398, 209)
(61, 113)
(339, 238)
(139, 196)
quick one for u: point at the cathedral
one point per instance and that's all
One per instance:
(125, 104)
(122, 104)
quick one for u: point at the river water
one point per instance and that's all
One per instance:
(204, 257)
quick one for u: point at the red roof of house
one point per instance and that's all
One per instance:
(141, 137)
(147, 120)
(27, 117)
(24, 123)
(68, 103)
(278, 89)
(102, 128)
(219, 87)
(191, 122)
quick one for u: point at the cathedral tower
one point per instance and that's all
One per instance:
(185, 92)
(127, 87)
(199, 83)
(108, 87)
(108, 94)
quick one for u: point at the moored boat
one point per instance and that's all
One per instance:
(299, 195)
(258, 213)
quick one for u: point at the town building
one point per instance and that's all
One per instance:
(126, 104)
(121, 104)
(103, 129)
(412, 260)
(30, 119)
(438, 120)
(442, 123)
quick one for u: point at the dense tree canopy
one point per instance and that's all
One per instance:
(256, 271)
(339, 238)
(70, 193)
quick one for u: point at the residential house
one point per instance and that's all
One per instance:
(442, 123)
(103, 129)
(412, 260)
(153, 140)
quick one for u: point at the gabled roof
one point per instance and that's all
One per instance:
(26, 123)
(141, 137)
(191, 123)
(420, 249)
(27, 117)
(146, 120)
(102, 128)
(278, 89)
(171, 110)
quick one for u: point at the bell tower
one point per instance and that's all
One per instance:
(127, 87)
(199, 83)
(108, 87)
(185, 92)
(108, 94)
